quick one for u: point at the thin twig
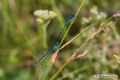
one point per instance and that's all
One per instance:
(79, 56)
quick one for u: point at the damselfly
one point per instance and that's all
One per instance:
(56, 44)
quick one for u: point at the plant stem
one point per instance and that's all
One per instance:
(71, 23)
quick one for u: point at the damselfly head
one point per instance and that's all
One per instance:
(57, 42)
(72, 16)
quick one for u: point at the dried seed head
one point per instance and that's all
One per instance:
(116, 14)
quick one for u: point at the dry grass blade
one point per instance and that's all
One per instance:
(116, 14)
(117, 58)
(80, 55)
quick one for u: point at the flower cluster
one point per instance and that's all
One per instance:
(94, 15)
(44, 15)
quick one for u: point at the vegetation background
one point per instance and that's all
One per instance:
(23, 40)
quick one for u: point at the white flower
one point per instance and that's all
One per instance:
(44, 14)
(86, 20)
(94, 10)
(101, 15)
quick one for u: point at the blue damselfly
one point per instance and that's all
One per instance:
(56, 44)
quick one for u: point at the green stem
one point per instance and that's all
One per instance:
(42, 32)
(42, 36)
(59, 16)
(71, 23)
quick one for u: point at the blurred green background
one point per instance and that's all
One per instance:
(23, 40)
